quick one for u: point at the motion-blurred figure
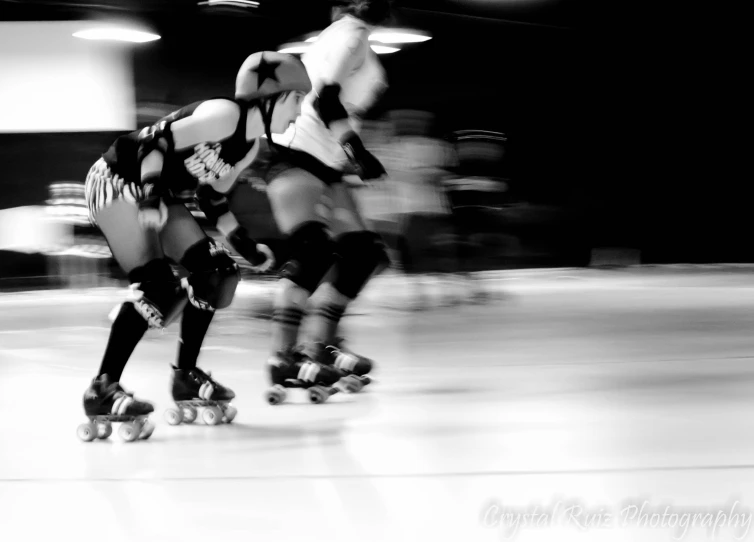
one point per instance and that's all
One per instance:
(332, 252)
(477, 192)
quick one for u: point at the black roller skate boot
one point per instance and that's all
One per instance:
(294, 369)
(106, 402)
(195, 391)
(353, 368)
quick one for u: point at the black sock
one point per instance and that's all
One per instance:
(126, 332)
(194, 326)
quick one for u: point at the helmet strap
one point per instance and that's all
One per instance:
(267, 106)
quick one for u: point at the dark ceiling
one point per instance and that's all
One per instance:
(518, 66)
(555, 13)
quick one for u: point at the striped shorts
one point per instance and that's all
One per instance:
(103, 187)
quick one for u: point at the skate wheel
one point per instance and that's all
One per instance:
(129, 431)
(275, 396)
(104, 430)
(147, 430)
(173, 416)
(212, 415)
(189, 414)
(352, 384)
(230, 413)
(365, 380)
(87, 432)
(318, 395)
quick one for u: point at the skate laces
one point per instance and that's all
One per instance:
(201, 375)
(343, 359)
(308, 371)
(115, 390)
(121, 399)
(206, 384)
(308, 368)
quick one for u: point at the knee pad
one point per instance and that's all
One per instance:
(311, 255)
(360, 255)
(157, 293)
(213, 275)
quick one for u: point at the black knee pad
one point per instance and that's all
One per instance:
(157, 293)
(311, 255)
(213, 275)
(360, 255)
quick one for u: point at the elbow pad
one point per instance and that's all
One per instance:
(328, 105)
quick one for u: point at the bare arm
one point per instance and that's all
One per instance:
(214, 120)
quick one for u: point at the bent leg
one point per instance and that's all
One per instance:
(139, 254)
(300, 204)
(359, 255)
(211, 284)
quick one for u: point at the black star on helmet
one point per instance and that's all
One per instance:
(266, 70)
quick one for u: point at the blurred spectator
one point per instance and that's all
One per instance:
(410, 208)
(479, 195)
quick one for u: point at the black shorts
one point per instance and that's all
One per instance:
(270, 163)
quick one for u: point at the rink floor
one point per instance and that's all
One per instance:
(575, 392)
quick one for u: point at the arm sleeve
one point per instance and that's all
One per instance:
(154, 143)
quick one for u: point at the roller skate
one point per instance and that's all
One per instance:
(353, 368)
(293, 369)
(106, 402)
(196, 393)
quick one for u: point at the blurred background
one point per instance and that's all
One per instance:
(522, 134)
(550, 155)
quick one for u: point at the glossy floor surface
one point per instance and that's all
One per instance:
(613, 406)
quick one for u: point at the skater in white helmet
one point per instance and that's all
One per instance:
(332, 252)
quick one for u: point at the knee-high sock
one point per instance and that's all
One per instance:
(328, 307)
(194, 326)
(288, 312)
(126, 332)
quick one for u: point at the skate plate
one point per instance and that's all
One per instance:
(318, 394)
(210, 412)
(132, 428)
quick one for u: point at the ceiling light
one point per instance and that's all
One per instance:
(116, 34)
(294, 48)
(388, 35)
(300, 47)
(238, 3)
(384, 50)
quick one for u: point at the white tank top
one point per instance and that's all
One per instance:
(359, 91)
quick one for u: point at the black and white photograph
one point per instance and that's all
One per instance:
(374, 271)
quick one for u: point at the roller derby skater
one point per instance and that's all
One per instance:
(293, 369)
(136, 194)
(196, 394)
(332, 252)
(106, 402)
(353, 368)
